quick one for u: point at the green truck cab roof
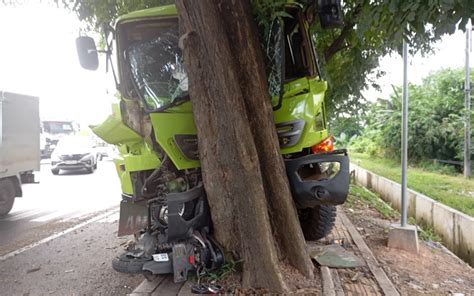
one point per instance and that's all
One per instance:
(160, 11)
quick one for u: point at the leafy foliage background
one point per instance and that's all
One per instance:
(436, 120)
(350, 55)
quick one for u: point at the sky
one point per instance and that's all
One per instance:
(449, 53)
(38, 57)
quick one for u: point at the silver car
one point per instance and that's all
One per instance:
(74, 153)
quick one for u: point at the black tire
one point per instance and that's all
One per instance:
(317, 222)
(90, 170)
(55, 171)
(127, 264)
(7, 196)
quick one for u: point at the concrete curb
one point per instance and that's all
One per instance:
(455, 228)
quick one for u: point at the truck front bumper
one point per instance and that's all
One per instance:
(329, 185)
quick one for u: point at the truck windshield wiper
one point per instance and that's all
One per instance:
(180, 99)
(177, 101)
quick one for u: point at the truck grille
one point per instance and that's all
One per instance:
(289, 133)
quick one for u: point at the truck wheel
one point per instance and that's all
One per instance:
(55, 171)
(317, 222)
(7, 196)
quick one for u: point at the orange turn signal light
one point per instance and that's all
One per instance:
(325, 146)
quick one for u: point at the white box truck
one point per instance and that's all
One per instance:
(19, 145)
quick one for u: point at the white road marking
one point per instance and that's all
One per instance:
(102, 220)
(72, 216)
(112, 218)
(54, 236)
(24, 215)
(50, 216)
(77, 215)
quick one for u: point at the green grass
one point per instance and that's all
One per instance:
(451, 190)
(426, 233)
(227, 269)
(372, 200)
(359, 194)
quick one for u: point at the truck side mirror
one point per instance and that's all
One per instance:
(330, 14)
(87, 53)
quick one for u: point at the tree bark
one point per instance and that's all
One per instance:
(253, 81)
(243, 172)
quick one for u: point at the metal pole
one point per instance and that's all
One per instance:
(467, 106)
(404, 135)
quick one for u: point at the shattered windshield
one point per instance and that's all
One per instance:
(156, 66)
(274, 45)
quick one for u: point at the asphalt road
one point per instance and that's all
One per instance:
(77, 262)
(58, 200)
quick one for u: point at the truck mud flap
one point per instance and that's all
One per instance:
(319, 179)
(133, 216)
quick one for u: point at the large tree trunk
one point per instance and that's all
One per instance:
(243, 172)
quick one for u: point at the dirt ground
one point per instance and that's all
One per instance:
(433, 271)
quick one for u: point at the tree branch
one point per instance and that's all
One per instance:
(338, 43)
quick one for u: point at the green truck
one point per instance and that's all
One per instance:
(163, 201)
(19, 145)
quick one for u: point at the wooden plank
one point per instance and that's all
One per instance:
(382, 279)
(148, 286)
(337, 283)
(328, 284)
(167, 287)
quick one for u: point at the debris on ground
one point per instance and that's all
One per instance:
(335, 256)
(33, 269)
